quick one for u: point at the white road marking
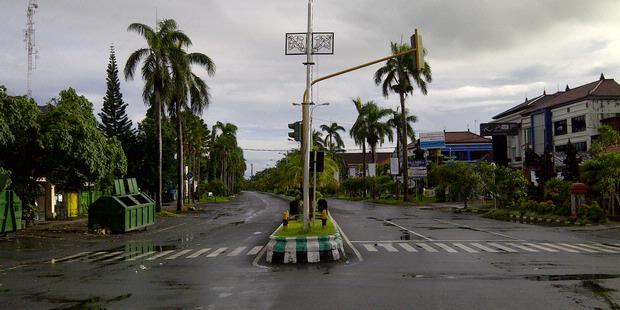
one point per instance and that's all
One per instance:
(62, 259)
(118, 257)
(407, 247)
(237, 251)
(597, 248)
(88, 257)
(257, 232)
(388, 247)
(370, 247)
(427, 247)
(579, 248)
(613, 248)
(502, 247)
(255, 250)
(464, 247)
(179, 253)
(559, 247)
(161, 254)
(409, 230)
(484, 248)
(446, 248)
(106, 256)
(199, 252)
(140, 256)
(217, 252)
(541, 247)
(522, 247)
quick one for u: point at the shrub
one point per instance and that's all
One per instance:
(217, 187)
(592, 213)
(293, 192)
(557, 190)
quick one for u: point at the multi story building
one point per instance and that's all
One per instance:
(550, 121)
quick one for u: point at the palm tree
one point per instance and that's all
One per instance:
(331, 135)
(359, 131)
(394, 122)
(163, 52)
(398, 75)
(318, 144)
(223, 149)
(188, 92)
(377, 130)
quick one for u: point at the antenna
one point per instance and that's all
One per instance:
(29, 38)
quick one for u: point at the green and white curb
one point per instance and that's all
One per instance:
(294, 250)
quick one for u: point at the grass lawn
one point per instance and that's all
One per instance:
(295, 229)
(206, 198)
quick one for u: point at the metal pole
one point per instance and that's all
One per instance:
(306, 121)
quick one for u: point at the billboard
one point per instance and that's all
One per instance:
(499, 129)
(432, 140)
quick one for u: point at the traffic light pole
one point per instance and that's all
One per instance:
(306, 103)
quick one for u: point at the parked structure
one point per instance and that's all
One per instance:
(549, 121)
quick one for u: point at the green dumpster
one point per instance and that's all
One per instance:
(10, 208)
(128, 209)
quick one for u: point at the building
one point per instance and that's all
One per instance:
(354, 161)
(548, 122)
(462, 146)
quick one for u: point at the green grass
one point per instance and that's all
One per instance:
(295, 229)
(206, 198)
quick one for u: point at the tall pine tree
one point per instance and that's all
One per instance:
(114, 121)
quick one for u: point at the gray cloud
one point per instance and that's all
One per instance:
(486, 55)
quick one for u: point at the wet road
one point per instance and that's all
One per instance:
(398, 258)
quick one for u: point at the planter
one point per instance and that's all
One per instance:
(296, 250)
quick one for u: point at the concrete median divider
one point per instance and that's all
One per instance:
(304, 249)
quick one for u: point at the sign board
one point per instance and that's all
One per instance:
(432, 140)
(372, 170)
(416, 163)
(394, 170)
(418, 172)
(190, 175)
(322, 43)
(499, 129)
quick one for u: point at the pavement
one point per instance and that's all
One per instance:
(397, 257)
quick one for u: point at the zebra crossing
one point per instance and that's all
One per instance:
(152, 255)
(489, 247)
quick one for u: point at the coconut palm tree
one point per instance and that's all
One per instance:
(331, 135)
(394, 122)
(188, 92)
(399, 75)
(318, 144)
(163, 52)
(377, 130)
(359, 130)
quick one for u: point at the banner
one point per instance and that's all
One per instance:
(432, 140)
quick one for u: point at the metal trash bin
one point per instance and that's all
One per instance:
(125, 211)
(10, 208)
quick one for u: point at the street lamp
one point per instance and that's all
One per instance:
(311, 144)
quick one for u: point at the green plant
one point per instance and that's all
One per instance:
(557, 190)
(592, 213)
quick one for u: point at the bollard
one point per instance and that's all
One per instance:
(324, 218)
(285, 220)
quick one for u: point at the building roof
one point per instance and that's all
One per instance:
(357, 158)
(601, 88)
(459, 137)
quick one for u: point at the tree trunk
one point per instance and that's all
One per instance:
(159, 150)
(181, 174)
(403, 136)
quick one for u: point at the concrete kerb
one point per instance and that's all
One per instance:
(311, 249)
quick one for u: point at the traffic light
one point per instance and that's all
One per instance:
(296, 133)
(319, 162)
(416, 42)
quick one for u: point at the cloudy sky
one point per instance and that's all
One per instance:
(486, 56)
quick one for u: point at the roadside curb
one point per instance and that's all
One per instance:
(299, 250)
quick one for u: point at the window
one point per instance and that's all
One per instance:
(559, 128)
(560, 148)
(527, 134)
(581, 146)
(578, 123)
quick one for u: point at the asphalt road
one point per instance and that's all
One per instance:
(398, 258)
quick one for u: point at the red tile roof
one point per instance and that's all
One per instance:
(455, 137)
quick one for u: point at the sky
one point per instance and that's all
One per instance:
(486, 56)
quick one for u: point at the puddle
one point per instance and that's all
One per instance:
(569, 277)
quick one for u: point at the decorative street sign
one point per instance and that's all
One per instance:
(322, 43)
